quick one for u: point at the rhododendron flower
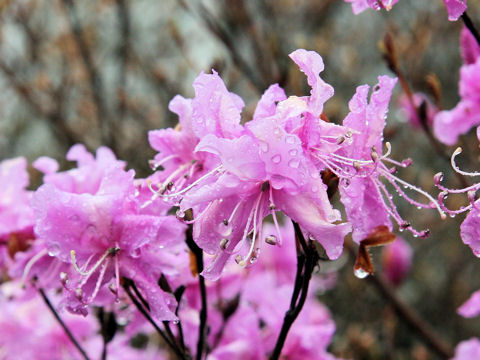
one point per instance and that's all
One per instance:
(359, 6)
(450, 124)
(411, 113)
(471, 308)
(467, 350)
(105, 237)
(397, 260)
(272, 173)
(360, 166)
(469, 47)
(16, 216)
(455, 8)
(213, 110)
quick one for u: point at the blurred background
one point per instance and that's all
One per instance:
(102, 73)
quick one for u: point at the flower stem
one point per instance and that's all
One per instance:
(306, 259)
(62, 324)
(128, 285)
(203, 291)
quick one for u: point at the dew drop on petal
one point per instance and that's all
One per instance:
(276, 159)
(294, 163)
(175, 322)
(53, 250)
(263, 146)
(224, 230)
(290, 139)
(293, 152)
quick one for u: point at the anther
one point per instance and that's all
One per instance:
(113, 251)
(224, 243)
(340, 140)
(225, 222)
(79, 293)
(272, 206)
(239, 260)
(271, 240)
(356, 165)
(63, 278)
(374, 154)
(437, 178)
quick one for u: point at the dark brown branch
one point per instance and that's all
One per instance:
(471, 26)
(140, 303)
(63, 325)
(198, 253)
(407, 314)
(300, 292)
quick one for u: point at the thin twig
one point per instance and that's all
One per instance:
(198, 253)
(471, 26)
(62, 324)
(128, 285)
(302, 282)
(408, 314)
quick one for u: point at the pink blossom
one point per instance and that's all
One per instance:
(449, 125)
(467, 350)
(410, 112)
(455, 8)
(397, 260)
(469, 47)
(16, 216)
(471, 308)
(104, 236)
(359, 6)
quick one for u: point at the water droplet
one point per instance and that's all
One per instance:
(180, 214)
(276, 131)
(263, 146)
(293, 152)
(290, 139)
(360, 273)
(314, 188)
(253, 260)
(136, 252)
(224, 230)
(54, 250)
(294, 163)
(276, 159)
(175, 322)
(224, 243)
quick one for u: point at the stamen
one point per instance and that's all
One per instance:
(275, 220)
(94, 267)
(99, 280)
(30, 264)
(218, 168)
(224, 243)
(456, 168)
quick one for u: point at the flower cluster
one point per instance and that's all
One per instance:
(102, 238)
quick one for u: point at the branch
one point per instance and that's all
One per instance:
(62, 324)
(306, 259)
(408, 314)
(471, 26)
(141, 305)
(203, 291)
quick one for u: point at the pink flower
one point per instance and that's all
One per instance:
(360, 166)
(16, 216)
(86, 177)
(471, 308)
(104, 236)
(411, 112)
(359, 6)
(455, 8)
(467, 350)
(449, 125)
(397, 260)
(469, 47)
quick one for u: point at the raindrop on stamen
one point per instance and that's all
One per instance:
(360, 273)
